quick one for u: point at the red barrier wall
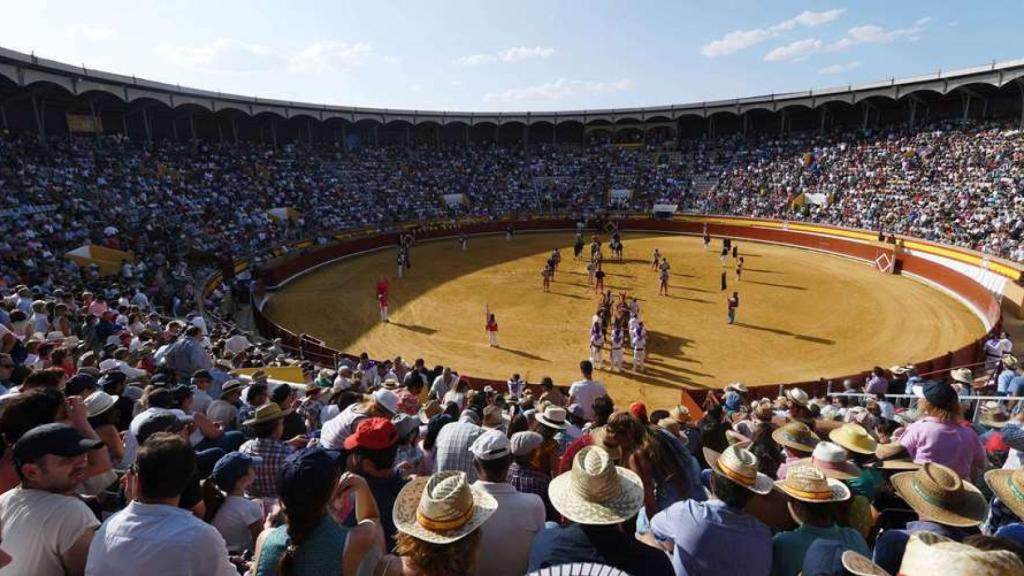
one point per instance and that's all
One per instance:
(275, 273)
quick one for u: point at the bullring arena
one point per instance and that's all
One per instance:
(805, 314)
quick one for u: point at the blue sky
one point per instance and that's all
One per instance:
(527, 55)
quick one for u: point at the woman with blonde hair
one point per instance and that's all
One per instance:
(380, 404)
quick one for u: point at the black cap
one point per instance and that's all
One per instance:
(79, 384)
(939, 393)
(312, 466)
(202, 375)
(111, 380)
(57, 439)
(161, 379)
(181, 392)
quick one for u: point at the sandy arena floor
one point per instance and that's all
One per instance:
(803, 315)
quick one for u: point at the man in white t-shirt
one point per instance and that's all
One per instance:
(48, 531)
(585, 391)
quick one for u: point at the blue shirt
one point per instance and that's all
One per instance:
(891, 544)
(707, 536)
(1013, 532)
(789, 548)
(1003, 381)
(321, 551)
(1016, 386)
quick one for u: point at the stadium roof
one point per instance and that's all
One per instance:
(26, 70)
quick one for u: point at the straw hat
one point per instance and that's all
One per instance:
(936, 492)
(796, 435)
(1010, 361)
(854, 438)
(429, 410)
(389, 384)
(740, 466)
(737, 386)
(442, 508)
(596, 491)
(860, 565)
(99, 402)
(798, 396)
(962, 375)
(928, 553)
(672, 427)
(809, 484)
(893, 456)
(552, 417)
(680, 414)
(736, 439)
(269, 412)
(763, 412)
(996, 416)
(1008, 485)
(831, 460)
(897, 370)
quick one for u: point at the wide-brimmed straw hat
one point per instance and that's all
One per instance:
(996, 416)
(809, 484)
(1008, 485)
(937, 493)
(740, 466)
(832, 460)
(680, 414)
(860, 565)
(552, 417)
(798, 396)
(897, 370)
(928, 554)
(738, 386)
(442, 508)
(893, 456)
(854, 438)
(962, 375)
(1010, 361)
(596, 491)
(267, 413)
(796, 435)
(763, 411)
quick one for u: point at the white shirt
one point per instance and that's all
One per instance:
(157, 539)
(122, 367)
(508, 534)
(233, 519)
(584, 392)
(442, 385)
(38, 528)
(237, 344)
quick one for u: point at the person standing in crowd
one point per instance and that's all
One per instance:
(586, 390)
(505, 538)
(492, 330)
(153, 534)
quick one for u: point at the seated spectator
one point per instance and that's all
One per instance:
(602, 501)
(940, 435)
(797, 440)
(311, 542)
(694, 532)
(49, 530)
(268, 425)
(382, 404)
(452, 448)
(506, 538)
(238, 519)
(410, 458)
(153, 533)
(1008, 487)
(944, 504)
(523, 476)
(812, 500)
(372, 450)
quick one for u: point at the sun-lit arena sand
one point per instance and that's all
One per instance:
(803, 314)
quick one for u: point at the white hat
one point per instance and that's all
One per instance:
(491, 445)
(809, 484)
(387, 400)
(737, 386)
(739, 465)
(552, 417)
(832, 460)
(596, 491)
(522, 443)
(99, 402)
(962, 375)
(442, 508)
(798, 395)
(928, 553)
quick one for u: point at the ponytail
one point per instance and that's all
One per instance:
(213, 498)
(299, 527)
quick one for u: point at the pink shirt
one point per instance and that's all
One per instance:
(933, 440)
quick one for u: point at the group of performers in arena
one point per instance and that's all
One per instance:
(623, 319)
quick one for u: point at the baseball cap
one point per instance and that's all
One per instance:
(522, 443)
(491, 445)
(387, 400)
(231, 467)
(57, 439)
(638, 409)
(80, 384)
(373, 434)
(939, 393)
(307, 467)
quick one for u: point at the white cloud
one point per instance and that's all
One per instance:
(514, 54)
(222, 55)
(329, 56)
(794, 51)
(739, 39)
(558, 90)
(839, 68)
(872, 34)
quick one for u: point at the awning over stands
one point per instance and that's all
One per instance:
(107, 259)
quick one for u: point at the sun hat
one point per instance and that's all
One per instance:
(491, 445)
(389, 384)
(387, 400)
(1008, 485)
(740, 466)
(929, 553)
(99, 402)
(809, 484)
(671, 426)
(522, 443)
(937, 493)
(680, 414)
(596, 491)
(798, 395)
(405, 424)
(897, 370)
(231, 467)
(1010, 361)
(494, 418)
(854, 438)
(996, 416)
(736, 439)
(269, 412)
(832, 460)
(429, 410)
(962, 375)
(552, 417)
(737, 386)
(372, 434)
(893, 456)
(796, 435)
(231, 386)
(442, 508)
(763, 412)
